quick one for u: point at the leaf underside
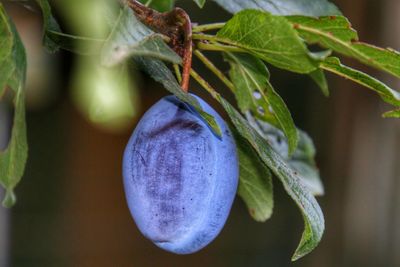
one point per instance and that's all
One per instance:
(302, 160)
(13, 158)
(314, 8)
(312, 214)
(255, 183)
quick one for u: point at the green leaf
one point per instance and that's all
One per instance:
(270, 38)
(200, 3)
(312, 214)
(392, 114)
(249, 74)
(13, 158)
(255, 183)
(6, 47)
(335, 33)
(7, 68)
(387, 94)
(324, 30)
(6, 40)
(302, 160)
(130, 38)
(254, 92)
(49, 24)
(384, 59)
(319, 78)
(160, 5)
(159, 72)
(314, 8)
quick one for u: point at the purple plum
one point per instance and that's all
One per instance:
(180, 178)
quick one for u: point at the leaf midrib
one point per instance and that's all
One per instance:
(347, 45)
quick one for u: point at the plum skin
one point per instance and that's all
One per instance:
(180, 179)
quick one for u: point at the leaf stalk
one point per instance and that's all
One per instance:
(208, 27)
(215, 70)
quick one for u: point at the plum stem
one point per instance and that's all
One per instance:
(175, 24)
(188, 46)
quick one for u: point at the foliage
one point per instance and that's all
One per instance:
(13, 62)
(275, 32)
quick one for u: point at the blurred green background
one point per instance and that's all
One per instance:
(71, 209)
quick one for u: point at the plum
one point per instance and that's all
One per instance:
(180, 178)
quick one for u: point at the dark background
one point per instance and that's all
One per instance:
(71, 209)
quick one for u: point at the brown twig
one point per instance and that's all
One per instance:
(176, 25)
(186, 27)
